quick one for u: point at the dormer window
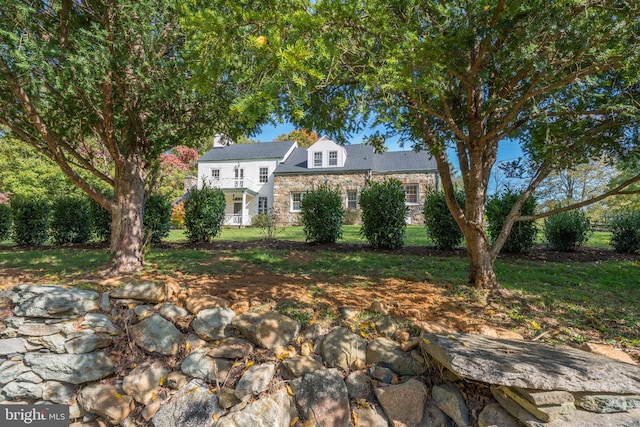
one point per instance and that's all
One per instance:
(333, 158)
(317, 159)
(325, 153)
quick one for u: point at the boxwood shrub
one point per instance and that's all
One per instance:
(204, 214)
(567, 231)
(625, 233)
(440, 225)
(321, 212)
(30, 221)
(523, 233)
(70, 220)
(383, 214)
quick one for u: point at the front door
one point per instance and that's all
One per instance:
(237, 212)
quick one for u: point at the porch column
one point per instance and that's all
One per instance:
(244, 207)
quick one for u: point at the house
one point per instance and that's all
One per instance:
(273, 177)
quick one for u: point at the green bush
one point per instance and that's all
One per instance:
(5, 221)
(157, 217)
(441, 227)
(266, 223)
(567, 231)
(321, 212)
(70, 220)
(625, 233)
(101, 220)
(351, 217)
(523, 233)
(204, 214)
(30, 221)
(383, 214)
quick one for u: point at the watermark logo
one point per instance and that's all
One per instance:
(34, 415)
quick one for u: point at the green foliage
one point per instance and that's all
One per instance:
(625, 232)
(383, 214)
(441, 227)
(157, 217)
(70, 220)
(204, 214)
(321, 212)
(523, 233)
(5, 221)
(101, 220)
(351, 216)
(567, 231)
(30, 221)
(266, 223)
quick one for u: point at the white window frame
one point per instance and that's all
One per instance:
(333, 158)
(263, 178)
(215, 175)
(353, 200)
(317, 159)
(239, 177)
(263, 205)
(295, 204)
(417, 193)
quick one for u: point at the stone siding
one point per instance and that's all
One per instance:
(284, 185)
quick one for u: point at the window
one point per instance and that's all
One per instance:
(215, 175)
(239, 175)
(317, 160)
(352, 199)
(333, 158)
(296, 198)
(263, 208)
(411, 194)
(264, 175)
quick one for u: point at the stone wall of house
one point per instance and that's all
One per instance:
(284, 185)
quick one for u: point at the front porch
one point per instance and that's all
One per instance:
(237, 206)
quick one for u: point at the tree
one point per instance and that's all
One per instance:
(558, 78)
(102, 87)
(304, 137)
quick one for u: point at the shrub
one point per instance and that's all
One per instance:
(266, 223)
(70, 220)
(177, 215)
(383, 214)
(30, 221)
(441, 227)
(321, 213)
(567, 231)
(5, 221)
(523, 233)
(204, 214)
(157, 217)
(625, 233)
(351, 217)
(101, 221)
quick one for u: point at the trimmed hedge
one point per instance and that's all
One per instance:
(101, 220)
(70, 220)
(523, 233)
(625, 233)
(30, 221)
(321, 212)
(383, 214)
(204, 214)
(440, 225)
(157, 217)
(5, 221)
(567, 231)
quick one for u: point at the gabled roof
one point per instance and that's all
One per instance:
(265, 150)
(403, 161)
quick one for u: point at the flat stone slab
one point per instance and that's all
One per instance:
(531, 365)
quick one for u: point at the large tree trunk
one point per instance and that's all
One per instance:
(127, 239)
(481, 262)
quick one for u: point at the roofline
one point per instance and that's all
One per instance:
(379, 172)
(319, 171)
(239, 159)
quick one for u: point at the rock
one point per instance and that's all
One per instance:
(201, 366)
(105, 303)
(434, 417)
(232, 348)
(176, 380)
(297, 366)
(545, 397)
(53, 301)
(196, 303)
(151, 409)
(58, 392)
(403, 404)
(71, 368)
(142, 291)
(227, 398)
(531, 365)
(348, 313)
(343, 349)
(401, 336)
(323, 395)
(450, 401)
(255, 380)
(214, 323)
(87, 343)
(385, 326)
(358, 385)
(384, 375)
(271, 411)
(370, 417)
(107, 401)
(544, 413)
(39, 329)
(155, 334)
(268, 330)
(54, 343)
(387, 353)
(607, 403)
(314, 332)
(193, 342)
(240, 307)
(434, 327)
(173, 313)
(493, 415)
(508, 335)
(22, 390)
(608, 351)
(12, 346)
(29, 377)
(143, 311)
(100, 323)
(10, 370)
(192, 406)
(378, 307)
(143, 382)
